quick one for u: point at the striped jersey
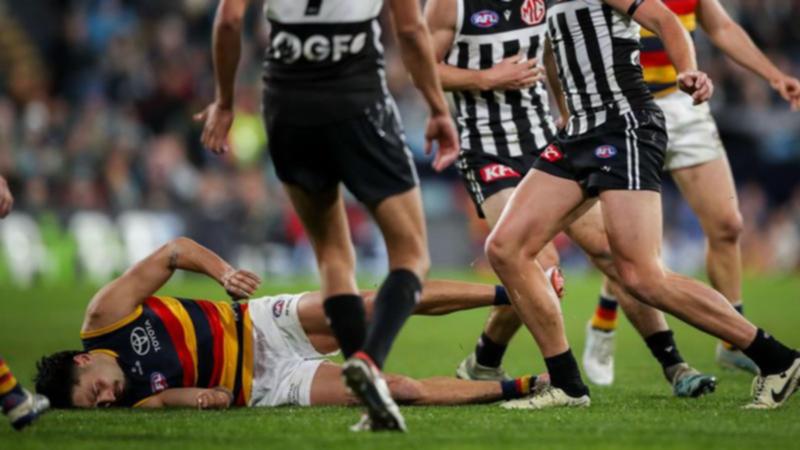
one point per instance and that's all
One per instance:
(173, 342)
(659, 73)
(505, 123)
(324, 61)
(597, 53)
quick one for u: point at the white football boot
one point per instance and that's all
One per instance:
(364, 380)
(772, 391)
(598, 356)
(548, 397)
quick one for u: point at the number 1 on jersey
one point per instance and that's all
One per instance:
(313, 7)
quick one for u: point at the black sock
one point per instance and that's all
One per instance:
(564, 374)
(395, 301)
(348, 320)
(662, 346)
(488, 352)
(501, 296)
(770, 356)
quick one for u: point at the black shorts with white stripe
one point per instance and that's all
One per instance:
(485, 174)
(367, 153)
(625, 153)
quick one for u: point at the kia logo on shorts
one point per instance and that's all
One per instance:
(485, 19)
(605, 151)
(494, 172)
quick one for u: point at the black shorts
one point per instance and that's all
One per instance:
(367, 153)
(624, 153)
(485, 174)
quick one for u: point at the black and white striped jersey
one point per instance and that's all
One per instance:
(597, 53)
(324, 59)
(505, 123)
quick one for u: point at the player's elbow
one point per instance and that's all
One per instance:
(411, 33)
(230, 14)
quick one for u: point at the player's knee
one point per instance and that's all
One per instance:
(499, 250)
(727, 230)
(642, 281)
(404, 389)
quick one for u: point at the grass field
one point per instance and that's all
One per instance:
(638, 412)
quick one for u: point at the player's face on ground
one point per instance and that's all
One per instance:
(100, 383)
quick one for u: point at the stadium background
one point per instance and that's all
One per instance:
(97, 143)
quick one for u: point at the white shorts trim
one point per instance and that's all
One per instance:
(693, 135)
(284, 361)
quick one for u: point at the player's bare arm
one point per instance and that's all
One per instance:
(416, 50)
(653, 15)
(217, 117)
(729, 37)
(551, 70)
(512, 73)
(122, 296)
(6, 200)
(200, 398)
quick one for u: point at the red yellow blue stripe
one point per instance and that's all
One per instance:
(659, 73)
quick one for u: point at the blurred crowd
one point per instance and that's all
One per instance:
(96, 105)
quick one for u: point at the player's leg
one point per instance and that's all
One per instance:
(541, 206)
(502, 324)
(402, 223)
(324, 219)
(327, 389)
(439, 297)
(20, 406)
(589, 233)
(633, 224)
(710, 191)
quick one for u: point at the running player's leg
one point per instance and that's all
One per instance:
(20, 406)
(633, 224)
(503, 322)
(541, 206)
(401, 221)
(589, 233)
(710, 192)
(324, 219)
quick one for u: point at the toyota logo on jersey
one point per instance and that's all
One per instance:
(494, 172)
(485, 19)
(533, 11)
(552, 153)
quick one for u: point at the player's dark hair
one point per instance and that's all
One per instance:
(56, 376)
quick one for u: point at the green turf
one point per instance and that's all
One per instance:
(636, 413)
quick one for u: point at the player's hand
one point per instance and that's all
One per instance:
(217, 120)
(789, 88)
(240, 284)
(441, 129)
(513, 73)
(697, 84)
(6, 200)
(216, 398)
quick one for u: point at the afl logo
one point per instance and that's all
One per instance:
(140, 343)
(485, 19)
(277, 308)
(605, 151)
(158, 382)
(533, 11)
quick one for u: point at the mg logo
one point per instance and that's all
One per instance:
(139, 341)
(533, 11)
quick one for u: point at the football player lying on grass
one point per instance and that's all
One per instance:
(152, 351)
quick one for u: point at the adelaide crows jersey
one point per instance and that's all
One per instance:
(324, 61)
(659, 73)
(173, 342)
